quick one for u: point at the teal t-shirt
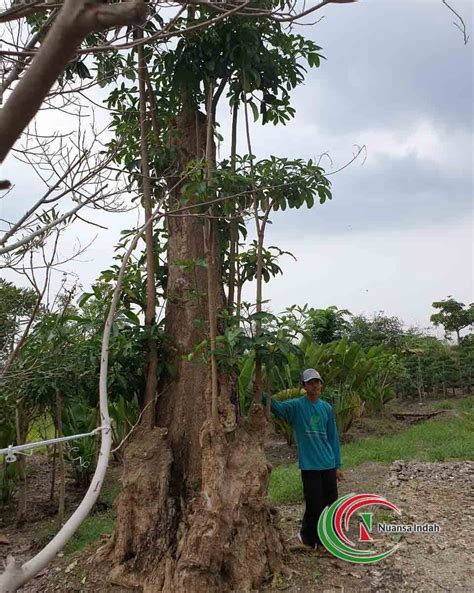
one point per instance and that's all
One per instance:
(315, 429)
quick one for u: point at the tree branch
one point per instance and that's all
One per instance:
(462, 26)
(75, 20)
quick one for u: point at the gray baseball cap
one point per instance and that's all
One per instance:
(309, 374)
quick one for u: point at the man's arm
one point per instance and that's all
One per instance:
(285, 409)
(333, 437)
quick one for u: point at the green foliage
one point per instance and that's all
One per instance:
(247, 262)
(354, 374)
(8, 477)
(355, 380)
(280, 182)
(8, 471)
(81, 454)
(259, 63)
(326, 325)
(255, 55)
(347, 406)
(62, 356)
(238, 346)
(377, 330)
(453, 315)
(433, 367)
(16, 306)
(124, 415)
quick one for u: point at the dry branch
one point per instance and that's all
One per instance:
(75, 20)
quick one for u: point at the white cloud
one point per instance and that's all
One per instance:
(423, 140)
(400, 272)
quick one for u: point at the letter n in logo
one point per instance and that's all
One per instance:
(365, 527)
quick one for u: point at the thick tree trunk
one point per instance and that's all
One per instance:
(225, 538)
(193, 514)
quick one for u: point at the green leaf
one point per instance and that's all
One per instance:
(132, 317)
(254, 109)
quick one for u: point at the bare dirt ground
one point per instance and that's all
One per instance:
(425, 492)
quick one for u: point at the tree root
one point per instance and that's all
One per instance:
(225, 538)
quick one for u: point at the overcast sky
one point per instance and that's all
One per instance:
(398, 233)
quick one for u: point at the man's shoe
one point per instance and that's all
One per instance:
(302, 541)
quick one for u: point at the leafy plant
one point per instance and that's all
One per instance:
(81, 454)
(8, 471)
(124, 415)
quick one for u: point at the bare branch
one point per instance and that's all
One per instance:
(461, 25)
(76, 19)
(21, 64)
(46, 228)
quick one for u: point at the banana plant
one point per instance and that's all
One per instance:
(81, 454)
(355, 381)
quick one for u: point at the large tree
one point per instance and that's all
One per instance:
(193, 514)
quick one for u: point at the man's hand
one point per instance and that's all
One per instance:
(339, 475)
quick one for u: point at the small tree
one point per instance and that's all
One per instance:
(16, 305)
(327, 325)
(453, 316)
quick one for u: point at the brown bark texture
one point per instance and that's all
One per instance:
(193, 514)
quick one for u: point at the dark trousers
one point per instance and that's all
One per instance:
(320, 490)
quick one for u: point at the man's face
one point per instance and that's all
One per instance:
(313, 387)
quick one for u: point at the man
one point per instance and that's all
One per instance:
(319, 457)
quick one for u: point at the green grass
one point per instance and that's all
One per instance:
(444, 405)
(466, 405)
(285, 484)
(463, 405)
(90, 530)
(435, 440)
(96, 525)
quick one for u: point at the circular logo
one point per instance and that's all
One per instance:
(334, 523)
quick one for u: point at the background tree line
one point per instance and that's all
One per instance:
(365, 361)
